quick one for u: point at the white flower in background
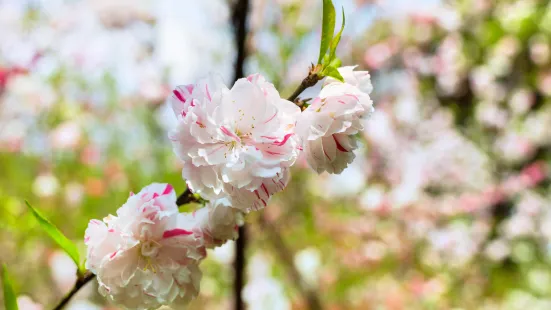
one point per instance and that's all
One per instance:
(327, 125)
(45, 185)
(497, 250)
(83, 305)
(308, 263)
(217, 223)
(266, 294)
(147, 255)
(224, 254)
(74, 193)
(25, 302)
(63, 270)
(235, 143)
(66, 136)
(263, 291)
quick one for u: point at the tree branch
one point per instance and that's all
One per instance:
(187, 197)
(308, 81)
(239, 18)
(239, 267)
(81, 281)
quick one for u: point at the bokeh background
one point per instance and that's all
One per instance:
(446, 207)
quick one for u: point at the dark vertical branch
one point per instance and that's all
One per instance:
(239, 19)
(239, 268)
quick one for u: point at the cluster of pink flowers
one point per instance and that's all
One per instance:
(148, 255)
(239, 143)
(237, 146)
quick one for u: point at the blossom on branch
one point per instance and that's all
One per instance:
(234, 142)
(360, 79)
(327, 126)
(217, 223)
(147, 255)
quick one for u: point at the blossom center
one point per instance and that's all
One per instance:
(150, 248)
(239, 139)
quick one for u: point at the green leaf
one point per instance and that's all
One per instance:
(10, 301)
(67, 245)
(334, 73)
(327, 28)
(335, 41)
(335, 63)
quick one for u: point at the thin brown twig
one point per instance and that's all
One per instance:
(308, 81)
(286, 256)
(81, 281)
(187, 197)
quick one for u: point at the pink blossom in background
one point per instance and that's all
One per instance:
(26, 303)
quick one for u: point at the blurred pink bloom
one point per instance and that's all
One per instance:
(90, 156)
(63, 270)
(376, 55)
(521, 101)
(46, 185)
(534, 173)
(95, 187)
(66, 136)
(264, 292)
(74, 193)
(26, 303)
(540, 51)
(544, 83)
(497, 250)
(515, 148)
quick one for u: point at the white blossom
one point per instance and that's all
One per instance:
(327, 125)
(217, 223)
(235, 143)
(147, 255)
(360, 79)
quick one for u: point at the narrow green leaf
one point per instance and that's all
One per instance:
(67, 245)
(335, 63)
(334, 73)
(10, 300)
(335, 41)
(327, 27)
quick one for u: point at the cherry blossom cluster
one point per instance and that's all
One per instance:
(148, 254)
(237, 145)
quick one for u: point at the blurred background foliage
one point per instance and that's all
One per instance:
(446, 207)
